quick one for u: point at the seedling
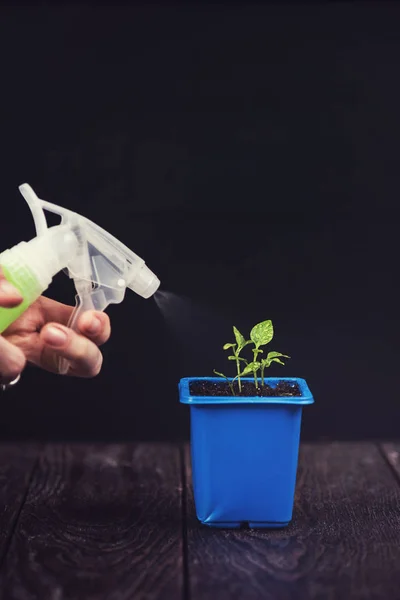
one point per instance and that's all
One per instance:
(260, 335)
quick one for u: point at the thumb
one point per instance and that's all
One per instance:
(9, 295)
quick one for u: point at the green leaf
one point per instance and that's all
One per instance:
(250, 368)
(278, 361)
(227, 346)
(262, 333)
(241, 342)
(231, 357)
(272, 355)
(246, 371)
(220, 374)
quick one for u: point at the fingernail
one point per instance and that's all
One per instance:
(8, 289)
(94, 326)
(55, 336)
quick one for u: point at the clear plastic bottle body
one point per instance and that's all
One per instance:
(31, 266)
(25, 282)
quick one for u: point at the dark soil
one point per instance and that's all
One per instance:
(222, 388)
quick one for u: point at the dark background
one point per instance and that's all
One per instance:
(250, 154)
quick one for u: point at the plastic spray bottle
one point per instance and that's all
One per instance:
(100, 265)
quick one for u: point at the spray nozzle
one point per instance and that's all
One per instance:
(145, 283)
(101, 266)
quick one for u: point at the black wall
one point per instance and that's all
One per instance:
(250, 153)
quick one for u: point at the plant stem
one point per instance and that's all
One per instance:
(230, 383)
(255, 354)
(262, 376)
(238, 372)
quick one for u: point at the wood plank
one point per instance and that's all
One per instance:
(16, 465)
(342, 544)
(392, 453)
(100, 522)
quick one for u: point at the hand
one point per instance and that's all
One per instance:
(40, 336)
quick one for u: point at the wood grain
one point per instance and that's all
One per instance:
(342, 544)
(99, 522)
(16, 465)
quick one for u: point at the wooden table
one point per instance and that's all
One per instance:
(96, 522)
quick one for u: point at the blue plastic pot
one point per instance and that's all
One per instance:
(244, 455)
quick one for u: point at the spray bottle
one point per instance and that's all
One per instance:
(100, 265)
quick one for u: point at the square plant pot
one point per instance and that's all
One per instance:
(244, 453)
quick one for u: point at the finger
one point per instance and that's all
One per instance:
(9, 295)
(96, 326)
(84, 356)
(55, 311)
(12, 361)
